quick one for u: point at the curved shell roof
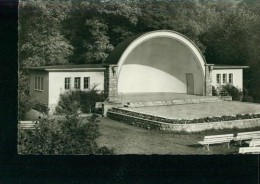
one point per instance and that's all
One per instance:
(116, 54)
(158, 61)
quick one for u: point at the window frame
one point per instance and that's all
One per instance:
(38, 83)
(224, 78)
(86, 82)
(218, 78)
(67, 83)
(230, 78)
(77, 82)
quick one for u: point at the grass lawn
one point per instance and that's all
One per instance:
(127, 139)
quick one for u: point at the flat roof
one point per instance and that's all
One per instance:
(78, 67)
(228, 67)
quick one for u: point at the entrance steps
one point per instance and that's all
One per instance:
(202, 99)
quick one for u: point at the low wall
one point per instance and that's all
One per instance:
(173, 102)
(245, 123)
(196, 127)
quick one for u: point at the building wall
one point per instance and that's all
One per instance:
(237, 77)
(36, 95)
(160, 64)
(57, 82)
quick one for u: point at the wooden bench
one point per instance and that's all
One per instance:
(254, 143)
(216, 139)
(26, 124)
(246, 136)
(252, 150)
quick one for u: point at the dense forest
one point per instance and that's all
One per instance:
(62, 32)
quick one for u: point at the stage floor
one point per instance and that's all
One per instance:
(145, 97)
(191, 111)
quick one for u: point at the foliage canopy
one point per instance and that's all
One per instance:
(227, 32)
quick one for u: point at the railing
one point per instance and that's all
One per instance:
(223, 94)
(221, 91)
(27, 124)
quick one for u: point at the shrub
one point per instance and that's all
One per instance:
(68, 136)
(246, 97)
(83, 100)
(214, 91)
(234, 92)
(69, 103)
(24, 105)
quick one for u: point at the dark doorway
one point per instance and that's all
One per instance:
(190, 83)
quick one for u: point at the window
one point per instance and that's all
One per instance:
(230, 78)
(67, 83)
(86, 82)
(218, 78)
(38, 83)
(224, 78)
(77, 82)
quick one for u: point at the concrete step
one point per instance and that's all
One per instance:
(171, 102)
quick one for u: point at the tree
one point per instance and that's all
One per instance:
(227, 32)
(95, 28)
(24, 101)
(235, 40)
(41, 40)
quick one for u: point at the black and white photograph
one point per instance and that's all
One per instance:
(138, 77)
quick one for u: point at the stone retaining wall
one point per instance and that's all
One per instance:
(245, 123)
(173, 102)
(196, 127)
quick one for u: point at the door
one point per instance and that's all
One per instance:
(190, 83)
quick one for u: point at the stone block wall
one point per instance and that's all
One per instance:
(111, 83)
(136, 121)
(245, 123)
(196, 127)
(208, 79)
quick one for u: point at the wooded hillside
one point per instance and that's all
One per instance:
(61, 32)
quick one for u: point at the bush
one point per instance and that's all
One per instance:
(214, 91)
(83, 100)
(24, 105)
(68, 136)
(246, 97)
(234, 92)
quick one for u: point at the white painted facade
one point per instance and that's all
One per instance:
(54, 84)
(143, 77)
(57, 83)
(158, 61)
(237, 79)
(148, 79)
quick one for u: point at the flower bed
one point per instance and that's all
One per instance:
(185, 121)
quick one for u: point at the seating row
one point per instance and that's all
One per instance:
(227, 138)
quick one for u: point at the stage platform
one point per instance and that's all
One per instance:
(162, 99)
(200, 110)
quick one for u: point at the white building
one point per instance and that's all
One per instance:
(47, 83)
(154, 62)
(228, 74)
